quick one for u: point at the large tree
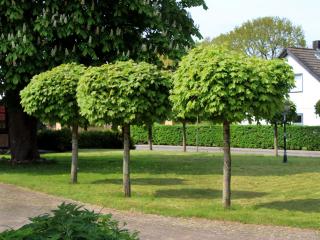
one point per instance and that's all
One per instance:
(38, 35)
(227, 87)
(263, 37)
(124, 93)
(51, 97)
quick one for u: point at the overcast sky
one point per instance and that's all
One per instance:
(223, 15)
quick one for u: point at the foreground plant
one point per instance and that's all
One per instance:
(70, 222)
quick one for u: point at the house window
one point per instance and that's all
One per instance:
(298, 79)
(299, 119)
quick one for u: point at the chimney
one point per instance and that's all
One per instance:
(316, 45)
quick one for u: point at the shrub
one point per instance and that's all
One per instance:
(60, 140)
(55, 140)
(70, 221)
(100, 139)
(242, 136)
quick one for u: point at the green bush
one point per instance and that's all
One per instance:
(242, 136)
(55, 140)
(61, 140)
(100, 139)
(71, 222)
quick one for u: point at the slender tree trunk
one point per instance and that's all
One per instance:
(184, 136)
(197, 134)
(74, 162)
(226, 196)
(126, 161)
(150, 136)
(275, 137)
(22, 131)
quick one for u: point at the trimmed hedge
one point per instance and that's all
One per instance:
(242, 136)
(60, 140)
(54, 140)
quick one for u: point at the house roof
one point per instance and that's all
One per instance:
(305, 57)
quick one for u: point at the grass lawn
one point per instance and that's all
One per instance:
(264, 190)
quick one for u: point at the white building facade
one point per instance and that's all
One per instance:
(306, 67)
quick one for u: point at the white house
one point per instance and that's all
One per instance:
(306, 66)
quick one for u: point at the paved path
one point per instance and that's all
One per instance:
(17, 204)
(269, 152)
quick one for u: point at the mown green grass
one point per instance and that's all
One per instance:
(264, 190)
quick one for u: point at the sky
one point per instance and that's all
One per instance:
(223, 15)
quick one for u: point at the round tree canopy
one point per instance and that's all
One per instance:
(317, 108)
(222, 85)
(124, 93)
(51, 95)
(291, 112)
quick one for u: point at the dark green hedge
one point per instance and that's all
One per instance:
(61, 140)
(250, 136)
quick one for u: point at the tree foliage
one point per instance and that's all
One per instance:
(222, 85)
(263, 37)
(317, 108)
(38, 35)
(124, 93)
(51, 95)
(291, 113)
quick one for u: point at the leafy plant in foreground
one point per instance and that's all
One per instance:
(69, 222)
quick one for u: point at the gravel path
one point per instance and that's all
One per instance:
(17, 204)
(253, 151)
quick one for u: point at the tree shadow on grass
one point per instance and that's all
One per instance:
(198, 193)
(302, 205)
(166, 163)
(144, 181)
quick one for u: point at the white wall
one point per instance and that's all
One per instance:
(306, 99)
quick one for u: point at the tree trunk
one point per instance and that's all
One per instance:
(74, 162)
(126, 161)
(275, 137)
(150, 136)
(226, 196)
(22, 131)
(184, 136)
(197, 134)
